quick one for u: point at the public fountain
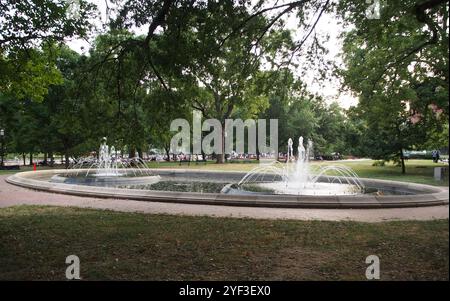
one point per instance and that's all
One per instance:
(109, 169)
(297, 183)
(301, 178)
(109, 164)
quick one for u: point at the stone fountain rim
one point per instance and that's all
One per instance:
(432, 196)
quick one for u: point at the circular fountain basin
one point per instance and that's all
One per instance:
(104, 179)
(404, 194)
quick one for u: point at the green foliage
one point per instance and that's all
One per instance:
(27, 74)
(26, 23)
(398, 67)
(379, 163)
(219, 58)
(301, 113)
(29, 30)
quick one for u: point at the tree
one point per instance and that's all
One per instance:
(401, 79)
(27, 23)
(120, 82)
(354, 131)
(227, 72)
(28, 32)
(27, 74)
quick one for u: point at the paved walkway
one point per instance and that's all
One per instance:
(11, 195)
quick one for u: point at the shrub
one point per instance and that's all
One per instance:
(379, 163)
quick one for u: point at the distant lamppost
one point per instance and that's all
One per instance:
(2, 136)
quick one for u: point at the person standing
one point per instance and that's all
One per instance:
(433, 155)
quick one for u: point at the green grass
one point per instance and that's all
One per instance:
(23, 168)
(417, 171)
(34, 242)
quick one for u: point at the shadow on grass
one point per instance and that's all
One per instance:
(35, 240)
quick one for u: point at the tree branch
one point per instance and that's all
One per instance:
(422, 17)
(289, 6)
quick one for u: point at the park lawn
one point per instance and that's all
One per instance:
(417, 171)
(35, 240)
(23, 168)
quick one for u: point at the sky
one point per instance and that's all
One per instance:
(328, 89)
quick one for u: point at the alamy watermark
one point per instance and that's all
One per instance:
(223, 137)
(73, 270)
(374, 9)
(373, 270)
(73, 8)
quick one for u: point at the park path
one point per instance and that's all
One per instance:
(11, 195)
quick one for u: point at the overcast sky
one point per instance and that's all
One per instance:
(327, 24)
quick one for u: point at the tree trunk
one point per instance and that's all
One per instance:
(24, 159)
(221, 157)
(131, 152)
(31, 159)
(52, 160)
(167, 153)
(203, 155)
(402, 158)
(257, 148)
(66, 159)
(45, 158)
(139, 150)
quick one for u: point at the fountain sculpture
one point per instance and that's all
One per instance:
(109, 164)
(302, 178)
(108, 169)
